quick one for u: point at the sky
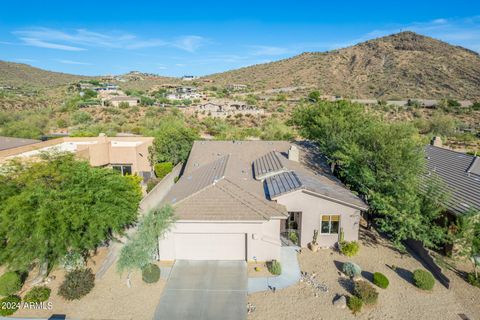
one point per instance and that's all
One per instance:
(178, 38)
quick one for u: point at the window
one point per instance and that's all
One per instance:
(330, 224)
(124, 169)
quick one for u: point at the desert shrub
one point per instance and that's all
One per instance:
(77, 284)
(351, 269)
(72, 261)
(151, 183)
(162, 169)
(38, 294)
(354, 304)
(150, 273)
(349, 248)
(9, 305)
(366, 292)
(293, 237)
(10, 283)
(423, 279)
(473, 280)
(380, 280)
(476, 106)
(274, 267)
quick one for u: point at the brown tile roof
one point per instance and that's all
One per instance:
(219, 181)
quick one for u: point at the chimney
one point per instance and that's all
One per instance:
(102, 138)
(293, 153)
(437, 142)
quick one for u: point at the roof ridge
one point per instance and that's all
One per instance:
(267, 203)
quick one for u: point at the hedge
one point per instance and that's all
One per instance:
(423, 279)
(162, 169)
(380, 280)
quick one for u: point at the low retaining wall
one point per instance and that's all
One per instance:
(428, 261)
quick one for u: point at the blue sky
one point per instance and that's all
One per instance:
(202, 37)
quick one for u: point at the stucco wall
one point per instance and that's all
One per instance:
(263, 238)
(312, 208)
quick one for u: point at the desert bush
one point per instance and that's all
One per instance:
(473, 280)
(38, 294)
(10, 283)
(72, 261)
(162, 169)
(293, 237)
(354, 304)
(366, 292)
(274, 267)
(380, 280)
(9, 305)
(351, 269)
(349, 249)
(423, 279)
(150, 273)
(77, 284)
(151, 183)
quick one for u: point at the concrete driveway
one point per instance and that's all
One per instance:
(205, 290)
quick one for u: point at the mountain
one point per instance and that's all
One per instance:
(401, 65)
(19, 74)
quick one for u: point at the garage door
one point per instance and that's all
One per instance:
(210, 246)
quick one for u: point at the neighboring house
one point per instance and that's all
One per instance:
(460, 174)
(224, 109)
(237, 87)
(189, 78)
(128, 155)
(10, 142)
(117, 100)
(239, 200)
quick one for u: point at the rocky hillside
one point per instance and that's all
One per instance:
(19, 75)
(397, 66)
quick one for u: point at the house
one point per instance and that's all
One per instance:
(240, 200)
(128, 155)
(117, 100)
(222, 109)
(460, 174)
(189, 78)
(10, 142)
(237, 87)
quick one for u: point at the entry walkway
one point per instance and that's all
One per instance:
(290, 273)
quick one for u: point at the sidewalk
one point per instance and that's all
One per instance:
(290, 273)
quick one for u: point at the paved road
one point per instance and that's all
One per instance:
(205, 290)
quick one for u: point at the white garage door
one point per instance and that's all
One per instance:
(210, 246)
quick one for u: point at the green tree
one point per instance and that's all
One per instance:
(173, 141)
(141, 248)
(382, 161)
(314, 96)
(59, 205)
(467, 238)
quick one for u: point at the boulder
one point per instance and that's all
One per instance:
(340, 302)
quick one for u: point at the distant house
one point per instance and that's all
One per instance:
(117, 100)
(243, 200)
(460, 174)
(189, 78)
(223, 109)
(107, 87)
(237, 87)
(11, 142)
(365, 101)
(128, 155)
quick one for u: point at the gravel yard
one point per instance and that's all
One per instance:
(401, 300)
(109, 299)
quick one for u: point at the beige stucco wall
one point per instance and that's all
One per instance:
(312, 208)
(263, 238)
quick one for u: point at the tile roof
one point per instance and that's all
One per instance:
(219, 181)
(10, 142)
(460, 175)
